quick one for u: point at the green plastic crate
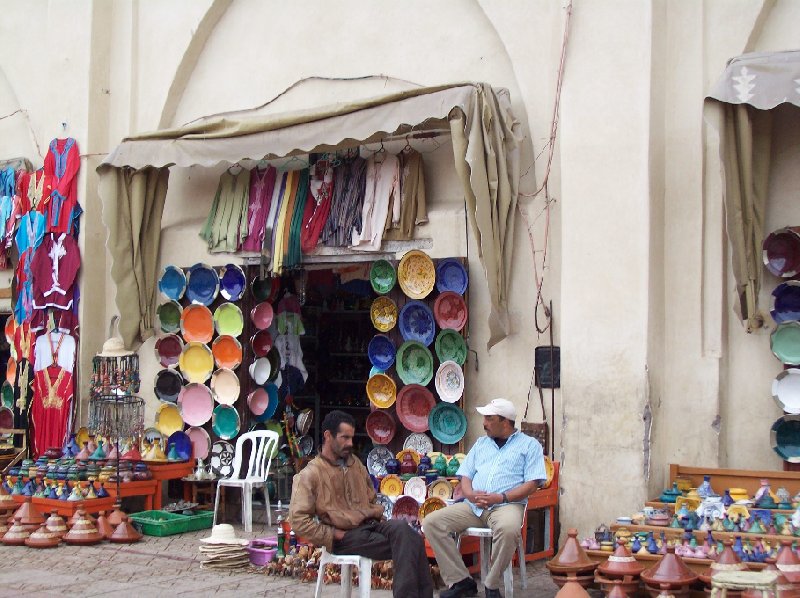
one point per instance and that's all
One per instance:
(200, 520)
(160, 523)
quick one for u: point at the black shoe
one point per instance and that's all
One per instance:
(490, 593)
(464, 588)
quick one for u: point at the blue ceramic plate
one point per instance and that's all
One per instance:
(232, 282)
(786, 302)
(447, 422)
(225, 422)
(172, 283)
(381, 351)
(183, 445)
(272, 391)
(451, 276)
(416, 323)
(202, 284)
(785, 437)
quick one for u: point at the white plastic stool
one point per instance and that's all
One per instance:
(763, 581)
(346, 560)
(485, 535)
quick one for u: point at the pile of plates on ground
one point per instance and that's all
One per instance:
(223, 550)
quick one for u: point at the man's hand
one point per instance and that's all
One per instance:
(486, 499)
(338, 534)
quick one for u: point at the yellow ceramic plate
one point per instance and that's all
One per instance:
(196, 362)
(414, 455)
(548, 469)
(81, 436)
(441, 489)
(383, 314)
(168, 419)
(391, 485)
(381, 390)
(434, 503)
(416, 274)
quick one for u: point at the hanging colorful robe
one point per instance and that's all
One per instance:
(261, 187)
(55, 267)
(52, 404)
(62, 163)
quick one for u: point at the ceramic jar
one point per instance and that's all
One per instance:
(392, 466)
(408, 465)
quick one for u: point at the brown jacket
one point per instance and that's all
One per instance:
(327, 496)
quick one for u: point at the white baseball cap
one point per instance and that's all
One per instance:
(501, 407)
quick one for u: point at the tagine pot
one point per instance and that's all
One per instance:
(103, 526)
(620, 564)
(622, 587)
(786, 589)
(788, 563)
(29, 515)
(42, 538)
(125, 533)
(670, 571)
(83, 532)
(16, 534)
(56, 524)
(572, 589)
(572, 561)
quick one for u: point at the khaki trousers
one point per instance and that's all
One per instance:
(505, 522)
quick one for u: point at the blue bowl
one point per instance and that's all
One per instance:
(416, 323)
(172, 283)
(381, 352)
(451, 276)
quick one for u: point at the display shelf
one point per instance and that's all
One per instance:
(696, 565)
(671, 507)
(748, 479)
(672, 532)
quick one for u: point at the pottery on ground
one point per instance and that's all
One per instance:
(572, 561)
(670, 571)
(621, 564)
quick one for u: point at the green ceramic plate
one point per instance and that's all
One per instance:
(785, 437)
(450, 346)
(225, 422)
(7, 395)
(414, 363)
(228, 319)
(169, 316)
(382, 276)
(447, 422)
(785, 342)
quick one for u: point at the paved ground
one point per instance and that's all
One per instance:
(167, 566)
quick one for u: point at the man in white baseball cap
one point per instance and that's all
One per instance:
(501, 470)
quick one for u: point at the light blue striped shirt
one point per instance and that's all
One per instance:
(494, 469)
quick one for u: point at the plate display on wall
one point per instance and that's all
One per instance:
(786, 390)
(172, 283)
(201, 442)
(785, 342)
(416, 323)
(450, 310)
(265, 289)
(261, 315)
(450, 381)
(382, 391)
(225, 386)
(222, 459)
(197, 324)
(202, 284)
(391, 485)
(168, 419)
(785, 438)
(781, 252)
(232, 282)
(414, 363)
(376, 460)
(416, 274)
(196, 362)
(418, 441)
(381, 351)
(383, 314)
(169, 316)
(380, 426)
(450, 346)
(225, 422)
(382, 276)
(272, 402)
(168, 349)
(786, 302)
(414, 404)
(228, 319)
(416, 488)
(261, 343)
(260, 370)
(196, 404)
(451, 276)
(168, 385)
(227, 352)
(448, 423)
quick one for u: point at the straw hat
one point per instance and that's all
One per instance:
(114, 347)
(224, 533)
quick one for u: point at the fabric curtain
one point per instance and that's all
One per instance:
(133, 204)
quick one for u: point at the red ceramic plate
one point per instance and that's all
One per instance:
(6, 418)
(261, 315)
(227, 352)
(197, 324)
(261, 342)
(414, 404)
(168, 350)
(381, 426)
(450, 310)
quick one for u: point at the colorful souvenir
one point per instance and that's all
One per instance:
(416, 488)
(228, 319)
(225, 422)
(201, 442)
(447, 423)
(382, 276)
(265, 289)
(381, 391)
(416, 274)
(419, 442)
(225, 386)
(450, 310)
(168, 349)
(785, 437)
(232, 282)
(449, 381)
(376, 460)
(441, 489)
(168, 419)
(406, 507)
(260, 370)
(416, 323)
(786, 390)
(381, 426)
(222, 459)
(261, 315)
(781, 252)
(261, 343)
(383, 313)
(202, 284)
(431, 504)
(182, 445)
(197, 324)
(169, 316)
(227, 352)
(381, 352)
(414, 405)
(785, 342)
(451, 276)
(172, 283)
(271, 392)
(391, 485)
(196, 362)
(196, 403)
(786, 302)
(414, 363)
(7, 394)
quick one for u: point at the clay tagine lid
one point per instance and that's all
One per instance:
(125, 533)
(572, 557)
(572, 589)
(79, 512)
(788, 563)
(83, 531)
(617, 592)
(103, 526)
(29, 515)
(669, 570)
(115, 516)
(621, 563)
(16, 535)
(42, 538)
(56, 524)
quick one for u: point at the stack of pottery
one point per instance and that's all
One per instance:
(83, 531)
(572, 563)
(670, 574)
(56, 524)
(786, 589)
(620, 570)
(28, 515)
(788, 563)
(16, 534)
(728, 561)
(79, 513)
(42, 538)
(669, 495)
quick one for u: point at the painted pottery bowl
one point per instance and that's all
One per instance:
(450, 346)
(381, 426)
(416, 274)
(382, 276)
(414, 363)
(416, 323)
(451, 276)
(197, 324)
(169, 316)
(383, 314)
(381, 352)
(232, 282)
(202, 284)
(196, 403)
(447, 423)
(225, 386)
(781, 252)
(450, 310)
(449, 381)
(172, 283)
(168, 349)
(414, 405)
(227, 352)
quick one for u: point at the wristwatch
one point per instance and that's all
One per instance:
(505, 497)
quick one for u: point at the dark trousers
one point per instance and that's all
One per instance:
(395, 540)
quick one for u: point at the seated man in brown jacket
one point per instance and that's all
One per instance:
(334, 505)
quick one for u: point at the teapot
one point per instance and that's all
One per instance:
(200, 470)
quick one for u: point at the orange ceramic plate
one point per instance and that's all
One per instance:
(11, 370)
(434, 503)
(392, 485)
(549, 470)
(227, 352)
(11, 325)
(197, 324)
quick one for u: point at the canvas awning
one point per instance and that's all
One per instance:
(738, 110)
(133, 178)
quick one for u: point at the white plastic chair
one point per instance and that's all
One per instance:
(346, 560)
(485, 535)
(263, 443)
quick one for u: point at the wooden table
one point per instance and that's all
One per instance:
(748, 479)
(68, 507)
(202, 492)
(146, 488)
(167, 470)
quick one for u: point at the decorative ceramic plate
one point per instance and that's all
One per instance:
(450, 346)
(197, 324)
(7, 394)
(222, 459)
(168, 419)
(449, 381)
(228, 319)
(391, 485)
(196, 362)
(382, 391)
(225, 386)
(305, 444)
(786, 302)
(406, 507)
(258, 401)
(416, 323)
(785, 437)
(450, 310)
(785, 342)
(196, 404)
(549, 471)
(260, 370)
(448, 423)
(786, 390)
(11, 370)
(232, 282)
(272, 404)
(265, 289)
(381, 427)
(781, 252)
(6, 418)
(451, 276)
(381, 351)
(168, 385)
(416, 274)
(82, 435)
(414, 404)
(182, 443)
(303, 421)
(382, 277)
(225, 422)
(168, 349)
(227, 352)
(429, 505)
(172, 283)
(416, 488)
(274, 358)
(419, 442)
(202, 284)
(441, 489)
(383, 313)
(414, 363)
(261, 343)
(402, 455)
(387, 504)
(10, 327)
(201, 442)
(150, 435)
(376, 460)
(373, 370)
(261, 315)
(169, 316)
